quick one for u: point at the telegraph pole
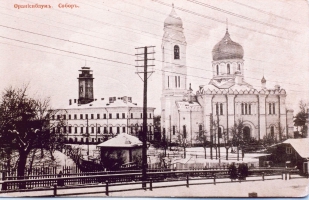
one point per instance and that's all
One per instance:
(211, 135)
(143, 57)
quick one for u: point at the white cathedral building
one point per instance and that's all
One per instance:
(227, 98)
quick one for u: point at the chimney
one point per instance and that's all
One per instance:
(70, 101)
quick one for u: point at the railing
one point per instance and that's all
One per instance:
(109, 180)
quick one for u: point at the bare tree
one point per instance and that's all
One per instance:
(24, 124)
(182, 142)
(237, 135)
(227, 144)
(201, 138)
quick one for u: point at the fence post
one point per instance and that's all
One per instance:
(282, 175)
(4, 185)
(263, 176)
(187, 180)
(106, 187)
(214, 179)
(285, 175)
(290, 176)
(150, 184)
(55, 190)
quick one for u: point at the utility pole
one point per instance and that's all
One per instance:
(211, 135)
(87, 135)
(218, 133)
(143, 57)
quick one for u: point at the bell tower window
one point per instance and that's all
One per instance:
(238, 67)
(228, 69)
(176, 52)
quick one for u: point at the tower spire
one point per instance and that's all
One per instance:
(227, 25)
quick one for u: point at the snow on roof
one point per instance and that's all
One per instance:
(122, 140)
(300, 145)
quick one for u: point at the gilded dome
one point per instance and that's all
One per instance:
(227, 49)
(173, 19)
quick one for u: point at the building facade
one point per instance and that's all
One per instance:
(221, 102)
(90, 120)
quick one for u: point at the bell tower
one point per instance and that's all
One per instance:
(85, 86)
(174, 73)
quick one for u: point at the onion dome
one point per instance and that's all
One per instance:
(263, 80)
(227, 49)
(173, 19)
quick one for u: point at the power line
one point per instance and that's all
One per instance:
(85, 55)
(106, 48)
(221, 21)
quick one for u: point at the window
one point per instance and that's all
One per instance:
(219, 132)
(75, 116)
(110, 129)
(58, 116)
(168, 81)
(228, 69)
(98, 116)
(81, 129)
(123, 129)
(274, 108)
(141, 115)
(118, 129)
(92, 116)
(131, 115)
(110, 115)
(64, 129)
(92, 129)
(174, 130)
(269, 108)
(92, 139)
(176, 81)
(105, 130)
(246, 109)
(131, 131)
(200, 129)
(289, 150)
(249, 109)
(86, 116)
(82, 140)
(221, 108)
(176, 52)
(272, 131)
(238, 67)
(64, 117)
(53, 117)
(69, 116)
(179, 81)
(70, 129)
(99, 129)
(184, 131)
(217, 69)
(117, 115)
(123, 115)
(81, 116)
(104, 116)
(164, 133)
(75, 140)
(75, 129)
(242, 108)
(150, 115)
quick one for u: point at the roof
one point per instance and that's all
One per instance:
(173, 19)
(104, 104)
(122, 140)
(301, 146)
(227, 49)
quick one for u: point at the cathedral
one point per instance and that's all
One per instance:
(223, 101)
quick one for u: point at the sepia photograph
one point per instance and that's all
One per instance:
(154, 98)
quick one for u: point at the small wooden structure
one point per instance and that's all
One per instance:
(126, 146)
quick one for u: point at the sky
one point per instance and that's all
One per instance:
(46, 47)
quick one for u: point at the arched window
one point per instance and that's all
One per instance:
(228, 69)
(238, 67)
(217, 69)
(176, 52)
(242, 108)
